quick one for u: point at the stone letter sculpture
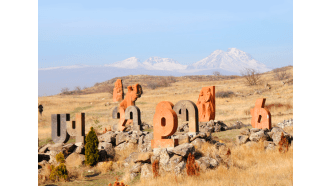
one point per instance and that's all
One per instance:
(261, 117)
(59, 132)
(115, 113)
(77, 128)
(118, 91)
(206, 104)
(133, 92)
(188, 112)
(133, 112)
(165, 124)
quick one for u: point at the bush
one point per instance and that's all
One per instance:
(60, 157)
(224, 94)
(192, 167)
(252, 77)
(65, 90)
(105, 167)
(281, 74)
(91, 151)
(155, 168)
(58, 172)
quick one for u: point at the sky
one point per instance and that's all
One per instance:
(102, 32)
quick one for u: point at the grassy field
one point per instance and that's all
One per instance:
(250, 166)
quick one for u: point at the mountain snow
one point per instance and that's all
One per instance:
(130, 63)
(233, 60)
(158, 63)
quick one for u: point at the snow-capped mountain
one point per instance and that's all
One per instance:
(233, 60)
(158, 63)
(129, 63)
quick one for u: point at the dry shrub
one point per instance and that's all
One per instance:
(192, 167)
(252, 77)
(283, 145)
(224, 94)
(105, 167)
(117, 183)
(155, 168)
(281, 74)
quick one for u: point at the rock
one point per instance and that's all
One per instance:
(136, 168)
(179, 168)
(74, 160)
(254, 130)
(52, 155)
(143, 157)
(175, 160)
(107, 147)
(102, 155)
(133, 175)
(285, 123)
(44, 148)
(214, 163)
(121, 138)
(204, 163)
(198, 135)
(217, 128)
(145, 143)
(80, 148)
(43, 157)
(164, 161)
(184, 138)
(109, 137)
(277, 129)
(269, 145)
(217, 144)
(198, 142)
(146, 171)
(131, 158)
(183, 149)
(277, 137)
(261, 135)
(242, 139)
(245, 131)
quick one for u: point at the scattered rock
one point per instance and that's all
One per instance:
(261, 135)
(183, 149)
(146, 171)
(242, 139)
(143, 157)
(179, 168)
(198, 142)
(136, 168)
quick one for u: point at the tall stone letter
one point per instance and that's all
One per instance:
(188, 112)
(77, 128)
(133, 92)
(133, 112)
(165, 124)
(59, 132)
(118, 91)
(206, 104)
(261, 117)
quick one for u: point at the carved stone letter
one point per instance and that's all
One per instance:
(59, 132)
(188, 112)
(77, 128)
(133, 112)
(118, 91)
(261, 117)
(206, 104)
(165, 124)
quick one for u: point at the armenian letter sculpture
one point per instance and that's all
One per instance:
(206, 104)
(261, 117)
(188, 112)
(118, 91)
(77, 128)
(133, 112)
(165, 124)
(59, 132)
(133, 92)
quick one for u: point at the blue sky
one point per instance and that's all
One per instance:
(102, 32)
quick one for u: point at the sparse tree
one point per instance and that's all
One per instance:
(252, 76)
(77, 89)
(216, 73)
(65, 90)
(281, 74)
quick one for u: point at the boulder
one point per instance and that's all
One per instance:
(184, 138)
(197, 135)
(277, 137)
(143, 157)
(80, 148)
(217, 128)
(175, 160)
(183, 149)
(146, 171)
(136, 168)
(253, 130)
(44, 148)
(109, 137)
(108, 148)
(179, 168)
(207, 163)
(131, 158)
(164, 161)
(245, 131)
(261, 135)
(122, 137)
(242, 139)
(198, 142)
(74, 160)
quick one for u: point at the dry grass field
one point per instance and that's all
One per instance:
(250, 166)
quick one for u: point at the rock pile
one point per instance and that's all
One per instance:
(270, 138)
(211, 126)
(286, 123)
